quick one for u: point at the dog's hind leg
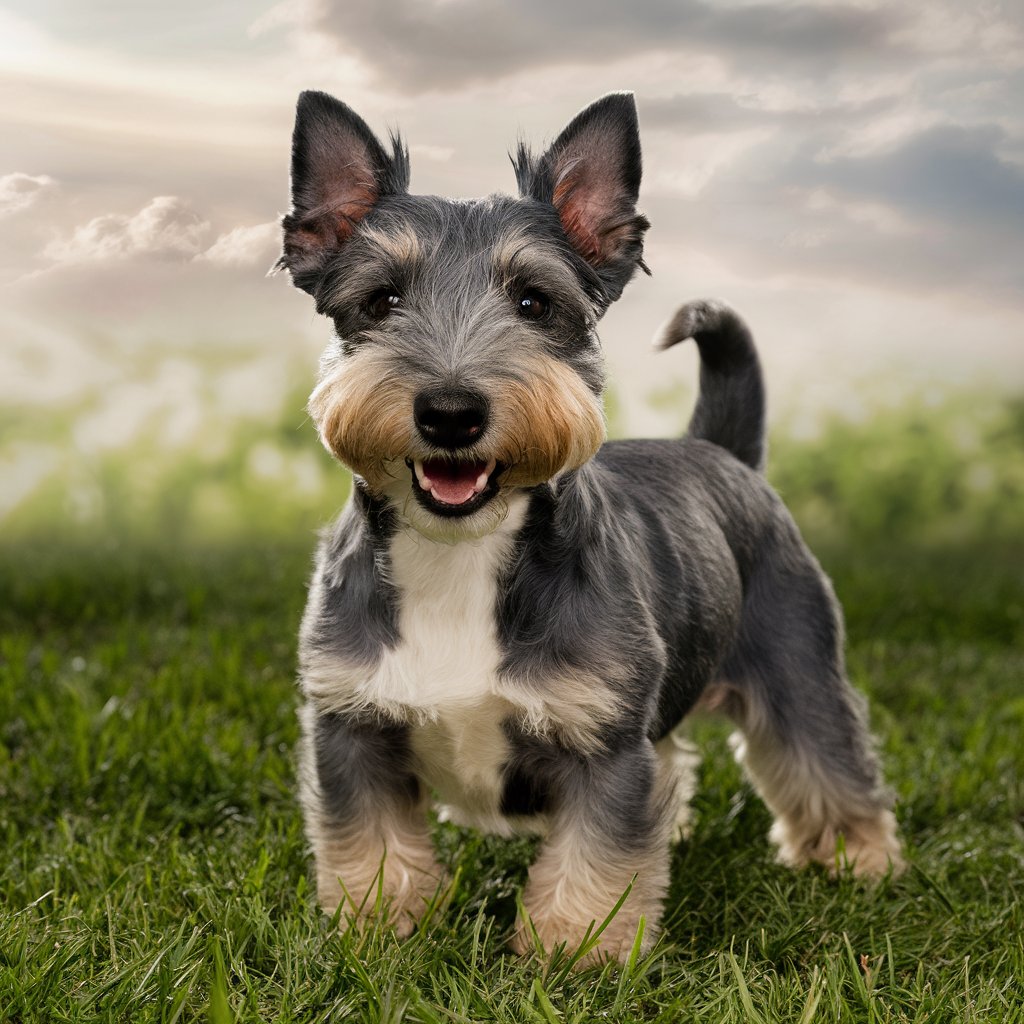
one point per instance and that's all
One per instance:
(803, 735)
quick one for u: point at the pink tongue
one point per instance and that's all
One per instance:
(454, 483)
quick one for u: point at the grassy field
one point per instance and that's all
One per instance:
(154, 867)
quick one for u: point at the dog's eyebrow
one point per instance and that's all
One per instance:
(372, 259)
(519, 256)
(402, 244)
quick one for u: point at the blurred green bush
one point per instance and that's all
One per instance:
(927, 472)
(923, 472)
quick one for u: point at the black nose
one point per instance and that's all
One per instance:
(450, 418)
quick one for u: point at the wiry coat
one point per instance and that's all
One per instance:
(524, 651)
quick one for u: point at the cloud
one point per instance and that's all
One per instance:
(934, 212)
(245, 246)
(20, 191)
(166, 227)
(953, 183)
(946, 173)
(441, 154)
(819, 163)
(417, 44)
(739, 111)
(686, 166)
(885, 220)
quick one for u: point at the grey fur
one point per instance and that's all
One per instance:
(731, 405)
(456, 325)
(354, 612)
(668, 571)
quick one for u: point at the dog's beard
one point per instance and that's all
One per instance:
(545, 420)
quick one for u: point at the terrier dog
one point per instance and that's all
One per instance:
(510, 613)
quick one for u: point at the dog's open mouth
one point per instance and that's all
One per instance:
(454, 487)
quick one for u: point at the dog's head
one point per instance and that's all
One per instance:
(465, 362)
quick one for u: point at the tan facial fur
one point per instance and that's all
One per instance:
(547, 422)
(401, 244)
(362, 409)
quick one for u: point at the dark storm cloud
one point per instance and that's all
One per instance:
(937, 210)
(947, 174)
(413, 44)
(967, 199)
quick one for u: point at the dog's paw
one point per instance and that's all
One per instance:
(579, 937)
(401, 890)
(872, 848)
(869, 847)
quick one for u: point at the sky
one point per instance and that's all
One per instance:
(849, 175)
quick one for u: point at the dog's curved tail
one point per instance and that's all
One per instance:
(730, 409)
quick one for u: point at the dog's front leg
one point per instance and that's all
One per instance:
(365, 818)
(609, 833)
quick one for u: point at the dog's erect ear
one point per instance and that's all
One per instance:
(591, 175)
(339, 172)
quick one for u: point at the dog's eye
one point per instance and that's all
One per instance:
(380, 303)
(533, 305)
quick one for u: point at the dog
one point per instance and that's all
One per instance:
(511, 613)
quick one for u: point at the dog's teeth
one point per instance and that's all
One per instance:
(481, 480)
(421, 476)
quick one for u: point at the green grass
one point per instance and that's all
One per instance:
(154, 866)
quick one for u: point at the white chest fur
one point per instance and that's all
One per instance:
(444, 672)
(442, 676)
(448, 655)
